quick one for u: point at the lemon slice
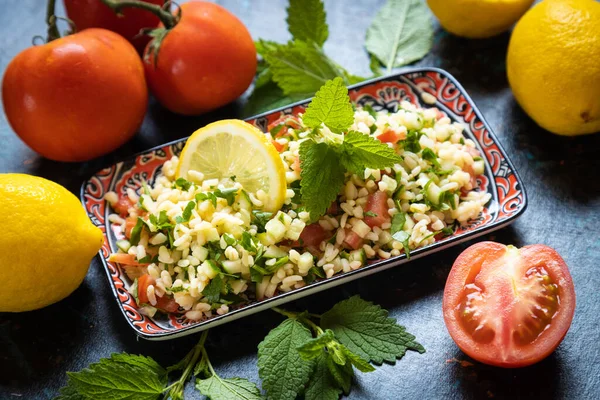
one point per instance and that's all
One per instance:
(235, 148)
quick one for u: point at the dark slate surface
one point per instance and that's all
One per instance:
(560, 174)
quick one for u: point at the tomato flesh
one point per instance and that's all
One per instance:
(506, 306)
(312, 235)
(377, 204)
(164, 303)
(352, 240)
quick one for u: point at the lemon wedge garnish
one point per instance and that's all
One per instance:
(235, 148)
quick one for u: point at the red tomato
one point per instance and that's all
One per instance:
(288, 121)
(129, 225)
(165, 303)
(508, 307)
(207, 60)
(312, 235)
(334, 208)
(88, 89)
(377, 203)
(94, 14)
(122, 206)
(390, 136)
(143, 282)
(352, 240)
(278, 146)
(439, 114)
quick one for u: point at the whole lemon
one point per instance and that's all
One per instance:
(553, 65)
(47, 242)
(478, 19)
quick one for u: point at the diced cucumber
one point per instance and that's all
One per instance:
(274, 252)
(432, 191)
(209, 268)
(232, 267)
(358, 255)
(123, 245)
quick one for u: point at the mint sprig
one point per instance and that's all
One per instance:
(283, 371)
(326, 157)
(300, 357)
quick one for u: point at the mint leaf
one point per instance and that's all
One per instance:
(342, 374)
(212, 291)
(70, 392)
(400, 33)
(402, 237)
(314, 347)
(331, 106)
(299, 67)
(322, 386)
(216, 388)
(306, 21)
(357, 361)
(283, 372)
(269, 96)
(127, 376)
(360, 151)
(322, 177)
(367, 331)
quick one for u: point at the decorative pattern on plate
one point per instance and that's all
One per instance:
(500, 180)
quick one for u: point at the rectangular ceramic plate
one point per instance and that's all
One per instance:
(508, 199)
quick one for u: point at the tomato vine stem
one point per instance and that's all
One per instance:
(166, 17)
(51, 20)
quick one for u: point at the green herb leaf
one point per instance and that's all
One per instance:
(183, 184)
(322, 177)
(306, 21)
(187, 213)
(400, 33)
(299, 67)
(207, 196)
(357, 361)
(398, 222)
(227, 194)
(136, 232)
(123, 376)
(247, 243)
(260, 219)
(331, 106)
(283, 372)
(370, 214)
(411, 143)
(430, 156)
(212, 291)
(360, 151)
(269, 96)
(341, 373)
(314, 347)
(367, 331)
(322, 386)
(69, 392)
(216, 388)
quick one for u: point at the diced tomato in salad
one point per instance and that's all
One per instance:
(296, 165)
(164, 303)
(122, 206)
(289, 121)
(352, 240)
(377, 205)
(126, 259)
(129, 224)
(312, 235)
(391, 136)
(278, 146)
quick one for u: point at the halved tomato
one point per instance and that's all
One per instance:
(508, 307)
